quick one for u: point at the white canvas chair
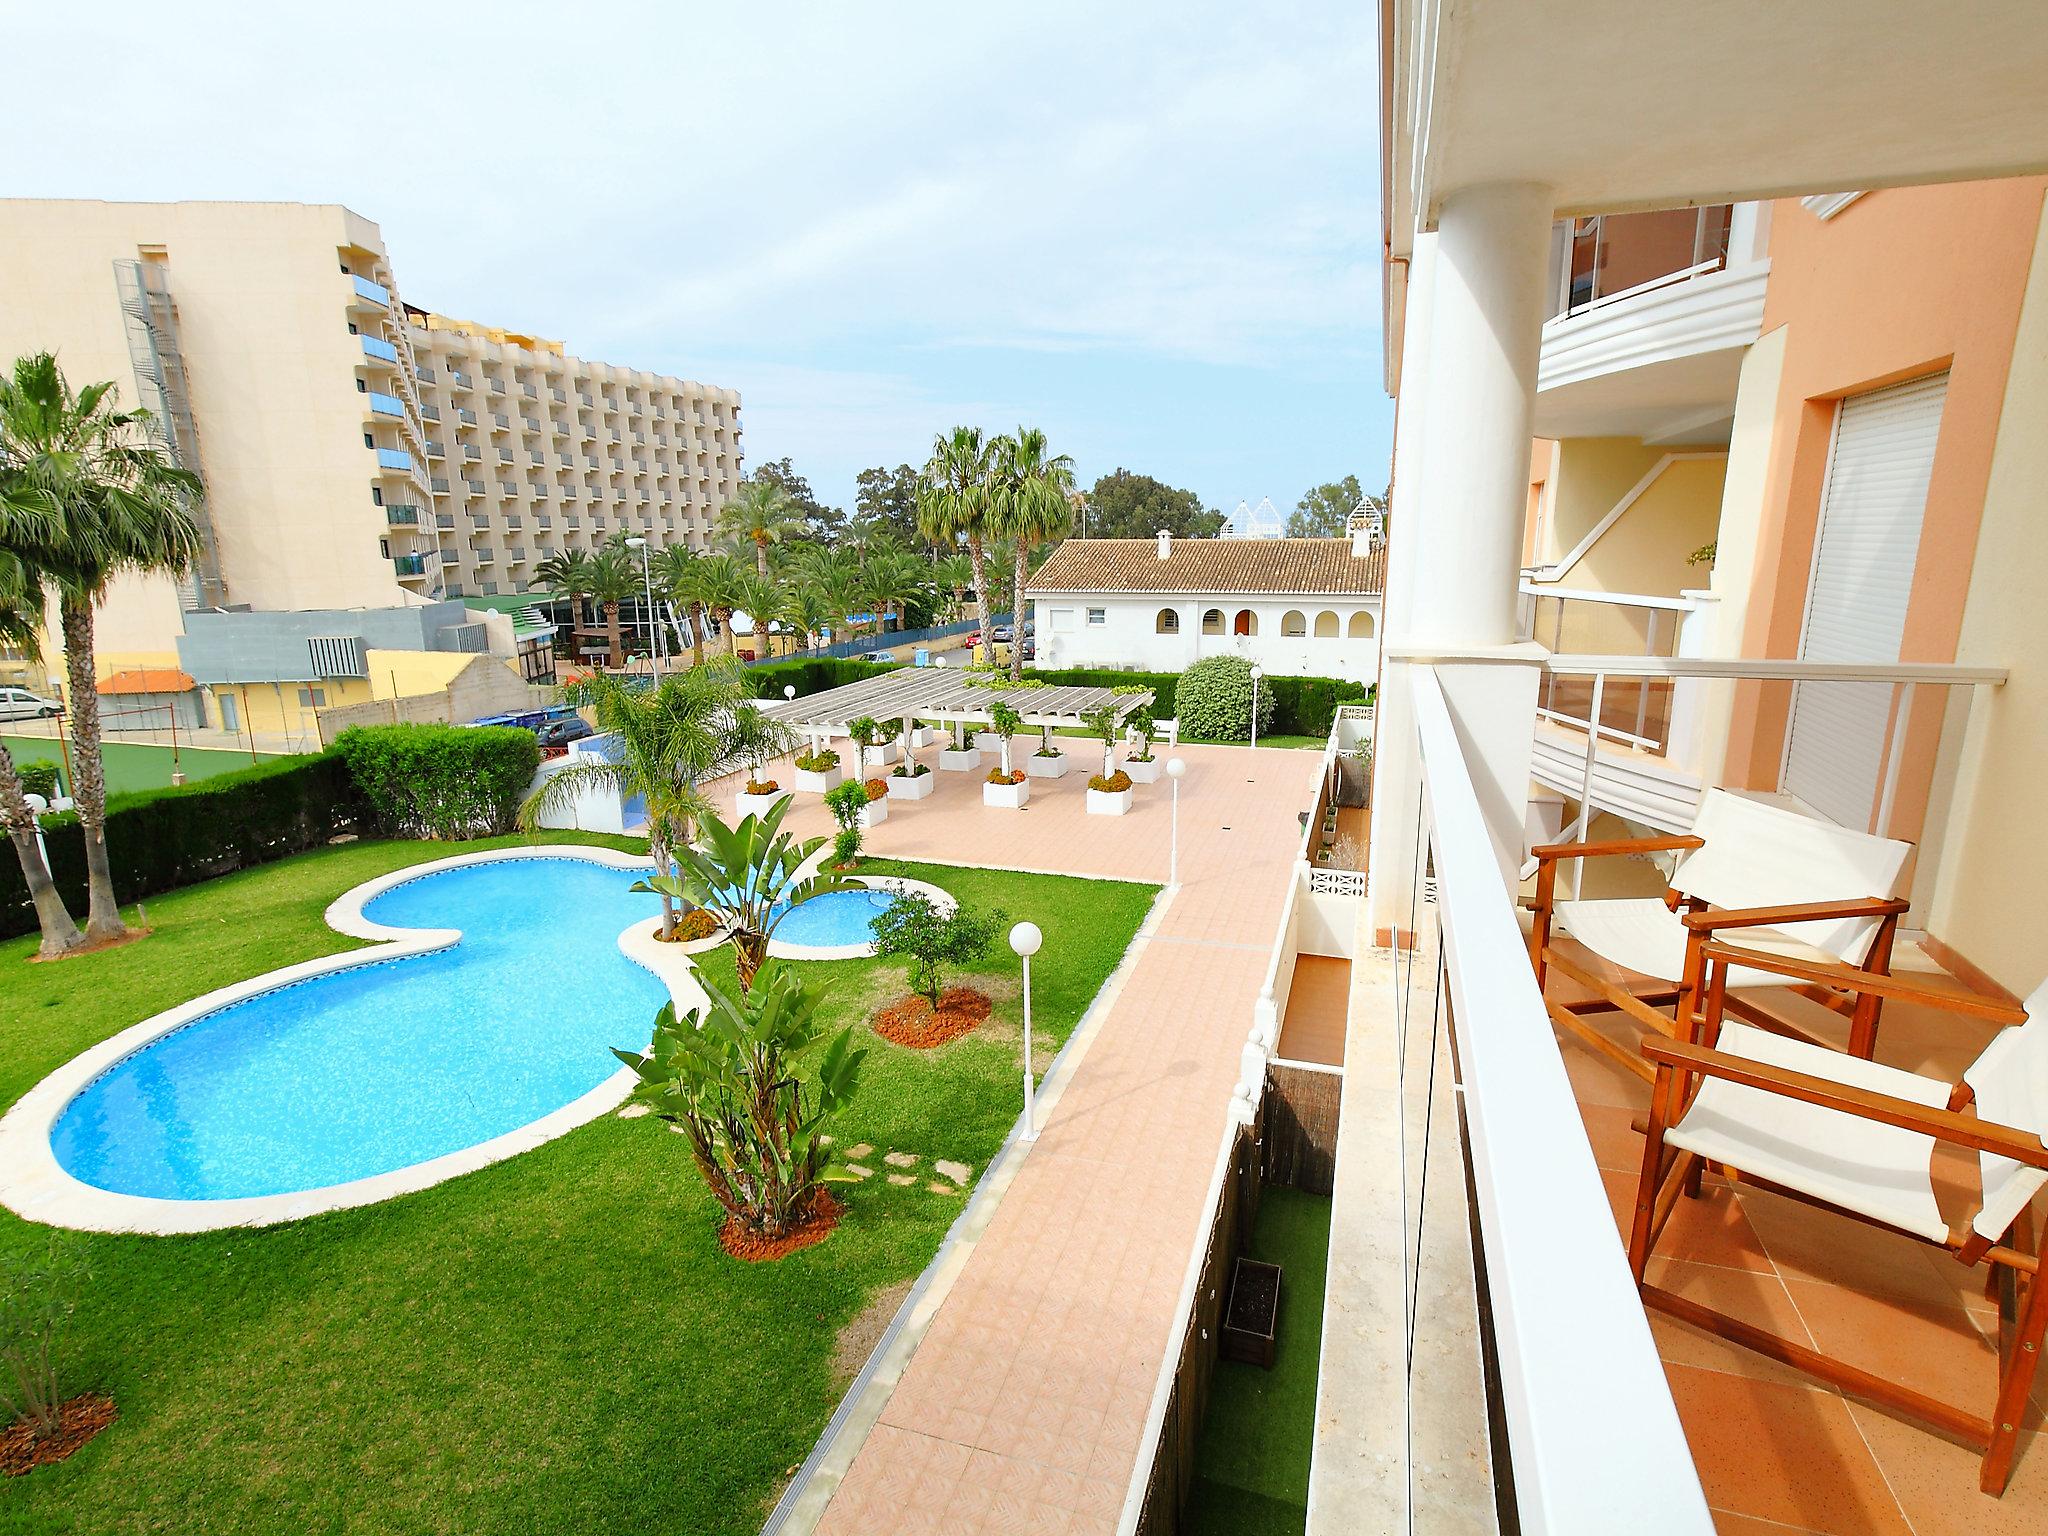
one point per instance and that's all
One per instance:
(1859, 1138)
(1792, 885)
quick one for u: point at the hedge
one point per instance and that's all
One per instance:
(810, 674)
(441, 781)
(1215, 700)
(160, 839)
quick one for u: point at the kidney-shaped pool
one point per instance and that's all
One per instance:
(379, 1067)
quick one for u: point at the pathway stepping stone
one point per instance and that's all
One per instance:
(633, 1111)
(902, 1178)
(863, 1150)
(959, 1173)
(939, 1188)
(900, 1159)
(859, 1172)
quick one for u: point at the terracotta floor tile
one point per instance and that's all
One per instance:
(1935, 1349)
(1782, 1453)
(1710, 1230)
(1935, 1479)
(1727, 1524)
(1756, 1297)
(1810, 1244)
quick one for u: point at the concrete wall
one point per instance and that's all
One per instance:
(260, 647)
(1130, 635)
(1645, 549)
(427, 687)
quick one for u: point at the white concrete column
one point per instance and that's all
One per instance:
(1472, 337)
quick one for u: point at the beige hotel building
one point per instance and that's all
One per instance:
(357, 451)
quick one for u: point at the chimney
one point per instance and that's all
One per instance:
(1366, 529)
(1165, 544)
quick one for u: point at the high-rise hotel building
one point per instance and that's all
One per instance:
(357, 451)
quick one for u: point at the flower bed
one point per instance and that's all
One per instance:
(911, 1021)
(876, 788)
(763, 787)
(997, 776)
(1115, 784)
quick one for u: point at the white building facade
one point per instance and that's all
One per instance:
(1297, 607)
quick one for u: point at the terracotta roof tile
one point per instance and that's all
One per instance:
(148, 680)
(1306, 566)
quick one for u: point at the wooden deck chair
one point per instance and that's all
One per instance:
(1793, 885)
(1859, 1138)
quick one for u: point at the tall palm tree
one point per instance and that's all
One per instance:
(808, 609)
(892, 578)
(719, 575)
(953, 503)
(569, 574)
(835, 571)
(762, 601)
(954, 575)
(614, 577)
(90, 491)
(671, 737)
(1030, 505)
(21, 603)
(675, 578)
(761, 514)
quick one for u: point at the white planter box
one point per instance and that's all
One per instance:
(954, 761)
(988, 741)
(887, 753)
(1104, 802)
(1045, 767)
(1141, 772)
(922, 736)
(809, 783)
(1011, 797)
(913, 787)
(875, 812)
(758, 805)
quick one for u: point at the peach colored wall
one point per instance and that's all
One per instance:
(1902, 284)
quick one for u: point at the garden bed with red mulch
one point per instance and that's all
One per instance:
(77, 1422)
(912, 1020)
(753, 1248)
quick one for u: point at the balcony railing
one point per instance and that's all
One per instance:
(410, 565)
(394, 458)
(426, 375)
(436, 450)
(529, 391)
(471, 452)
(430, 413)
(474, 487)
(560, 397)
(494, 386)
(465, 415)
(385, 405)
(375, 293)
(380, 349)
(401, 516)
(462, 381)
(439, 486)
(444, 520)
(1614, 255)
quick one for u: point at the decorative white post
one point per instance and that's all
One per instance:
(1025, 939)
(1174, 769)
(657, 652)
(1257, 673)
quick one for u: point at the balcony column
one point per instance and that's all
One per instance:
(1454, 578)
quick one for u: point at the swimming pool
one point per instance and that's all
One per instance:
(834, 919)
(379, 1067)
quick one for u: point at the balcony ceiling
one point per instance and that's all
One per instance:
(1628, 104)
(1681, 400)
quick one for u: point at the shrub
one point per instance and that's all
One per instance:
(824, 760)
(1215, 700)
(38, 778)
(997, 776)
(1115, 784)
(876, 788)
(160, 839)
(914, 926)
(846, 847)
(844, 801)
(909, 770)
(695, 924)
(726, 1077)
(1048, 750)
(1302, 706)
(39, 1289)
(814, 674)
(441, 781)
(762, 786)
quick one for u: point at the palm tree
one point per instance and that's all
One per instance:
(1031, 505)
(954, 575)
(90, 491)
(808, 609)
(762, 601)
(671, 737)
(762, 514)
(836, 573)
(21, 605)
(892, 579)
(746, 875)
(569, 574)
(719, 575)
(675, 577)
(953, 503)
(613, 580)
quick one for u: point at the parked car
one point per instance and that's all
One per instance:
(887, 658)
(559, 733)
(20, 704)
(971, 639)
(1004, 634)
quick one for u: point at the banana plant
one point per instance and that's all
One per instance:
(726, 1076)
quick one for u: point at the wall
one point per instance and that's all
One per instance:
(1130, 638)
(1987, 897)
(1645, 549)
(244, 647)
(1902, 284)
(433, 686)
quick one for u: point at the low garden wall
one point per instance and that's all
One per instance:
(1299, 1146)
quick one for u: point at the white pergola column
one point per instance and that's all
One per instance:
(1473, 333)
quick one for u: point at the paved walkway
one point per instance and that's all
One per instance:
(1024, 1404)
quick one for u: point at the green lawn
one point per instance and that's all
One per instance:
(1251, 1463)
(134, 765)
(554, 1344)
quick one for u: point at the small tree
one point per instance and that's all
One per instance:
(38, 1294)
(846, 802)
(914, 926)
(1102, 725)
(866, 732)
(1141, 721)
(755, 737)
(726, 1076)
(1005, 722)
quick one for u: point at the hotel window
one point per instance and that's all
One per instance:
(1212, 622)
(1326, 625)
(1168, 622)
(1293, 624)
(1098, 616)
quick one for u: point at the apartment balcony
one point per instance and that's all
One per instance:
(504, 455)
(586, 399)
(427, 376)
(473, 487)
(528, 424)
(493, 386)
(431, 413)
(465, 415)
(409, 566)
(535, 457)
(569, 493)
(462, 380)
(471, 453)
(585, 433)
(379, 350)
(482, 555)
(368, 296)
(438, 485)
(398, 516)
(515, 555)
(445, 521)
(558, 429)
(381, 404)
(500, 423)
(529, 391)
(508, 489)
(560, 397)
(394, 458)
(513, 522)
(436, 450)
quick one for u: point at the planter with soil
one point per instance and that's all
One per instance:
(1143, 770)
(816, 781)
(1252, 1319)
(912, 786)
(957, 760)
(748, 803)
(1011, 796)
(1046, 765)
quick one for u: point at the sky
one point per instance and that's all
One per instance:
(1149, 229)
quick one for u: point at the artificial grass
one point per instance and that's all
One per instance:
(1251, 1462)
(137, 765)
(555, 1343)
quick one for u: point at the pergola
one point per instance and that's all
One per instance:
(932, 693)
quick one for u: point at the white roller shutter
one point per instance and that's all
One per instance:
(1865, 548)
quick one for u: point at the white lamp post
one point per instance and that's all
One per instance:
(1174, 769)
(1257, 673)
(1025, 939)
(647, 580)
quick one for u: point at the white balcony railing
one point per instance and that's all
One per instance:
(1594, 1439)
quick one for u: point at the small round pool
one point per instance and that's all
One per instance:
(834, 920)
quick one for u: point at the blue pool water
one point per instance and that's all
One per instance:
(376, 1068)
(837, 917)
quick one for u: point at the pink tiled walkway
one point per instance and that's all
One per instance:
(1024, 1404)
